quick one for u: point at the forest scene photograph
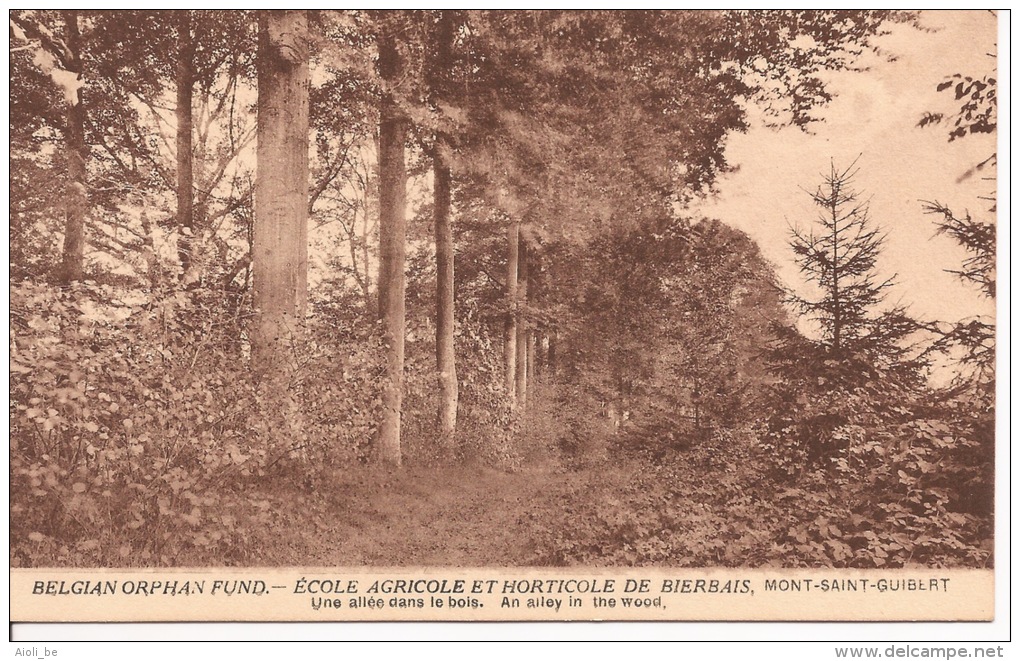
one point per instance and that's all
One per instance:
(502, 288)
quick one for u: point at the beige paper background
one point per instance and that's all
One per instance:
(959, 595)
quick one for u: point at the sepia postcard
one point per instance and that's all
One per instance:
(504, 316)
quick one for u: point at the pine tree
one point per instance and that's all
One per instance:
(840, 257)
(977, 97)
(863, 366)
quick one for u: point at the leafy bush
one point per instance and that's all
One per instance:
(139, 433)
(892, 499)
(874, 483)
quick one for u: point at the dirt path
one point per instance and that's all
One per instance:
(465, 516)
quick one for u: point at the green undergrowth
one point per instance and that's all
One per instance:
(714, 503)
(696, 506)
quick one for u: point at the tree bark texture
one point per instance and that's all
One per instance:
(280, 249)
(532, 355)
(446, 362)
(510, 335)
(76, 202)
(185, 152)
(392, 230)
(522, 328)
(186, 176)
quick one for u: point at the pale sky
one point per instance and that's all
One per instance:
(874, 115)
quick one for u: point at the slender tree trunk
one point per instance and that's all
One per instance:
(76, 196)
(522, 329)
(280, 248)
(540, 353)
(837, 303)
(533, 335)
(446, 363)
(532, 355)
(392, 230)
(185, 155)
(510, 336)
(445, 357)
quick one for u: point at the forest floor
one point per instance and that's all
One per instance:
(462, 515)
(459, 515)
(610, 509)
(472, 513)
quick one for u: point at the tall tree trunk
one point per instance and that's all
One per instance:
(540, 353)
(532, 355)
(280, 249)
(446, 363)
(392, 230)
(522, 328)
(185, 156)
(533, 335)
(76, 196)
(510, 335)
